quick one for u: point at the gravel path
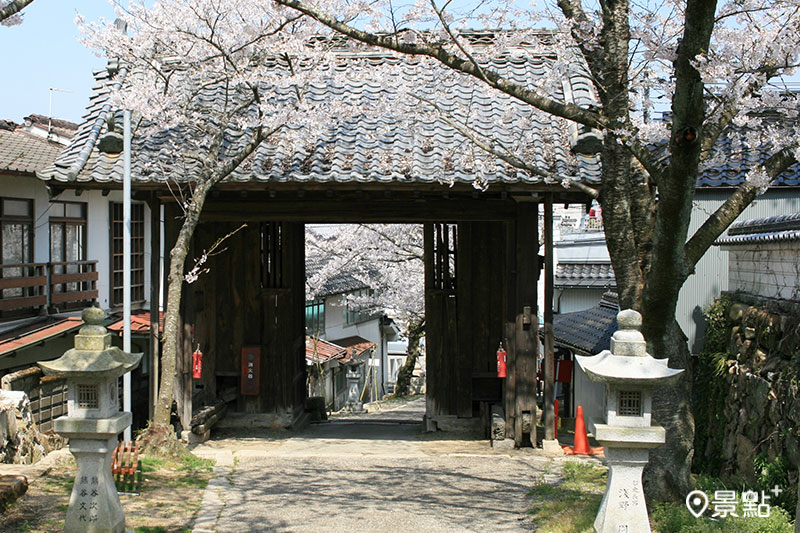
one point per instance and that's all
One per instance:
(366, 474)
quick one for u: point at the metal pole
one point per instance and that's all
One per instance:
(126, 261)
(549, 369)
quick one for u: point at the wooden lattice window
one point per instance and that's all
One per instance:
(445, 255)
(272, 255)
(137, 253)
(630, 403)
(88, 397)
(16, 242)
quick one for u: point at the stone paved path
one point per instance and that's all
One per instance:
(366, 474)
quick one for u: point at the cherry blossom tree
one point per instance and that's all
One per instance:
(10, 11)
(713, 64)
(175, 58)
(387, 258)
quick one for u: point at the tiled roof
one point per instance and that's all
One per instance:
(320, 351)
(368, 148)
(738, 160)
(29, 337)
(344, 280)
(23, 152)
(589, 331)
(59, 126)
(763, 230)
(140, 323)
(583, 275)
(358, 344)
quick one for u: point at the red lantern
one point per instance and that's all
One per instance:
(197, 364)
(501, 362)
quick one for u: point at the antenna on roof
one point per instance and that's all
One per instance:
(50, 112)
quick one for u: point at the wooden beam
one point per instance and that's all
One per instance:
(363, 210)
(549, 370)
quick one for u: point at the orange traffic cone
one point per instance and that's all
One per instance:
(581, 446)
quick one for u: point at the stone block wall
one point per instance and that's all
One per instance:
(20, 441)
(761, 402)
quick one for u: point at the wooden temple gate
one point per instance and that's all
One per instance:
(481, 272)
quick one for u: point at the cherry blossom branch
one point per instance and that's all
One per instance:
(194, 274)
(504, 154)
(10, 9)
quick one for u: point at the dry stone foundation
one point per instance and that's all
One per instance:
(762, 405)
(20, 440)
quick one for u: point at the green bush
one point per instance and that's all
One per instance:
(775, 473)
(670, 518)
(709, 373)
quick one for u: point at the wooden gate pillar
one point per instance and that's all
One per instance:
(522, 324)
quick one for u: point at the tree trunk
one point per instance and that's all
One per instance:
(416, 327)
(666, 477)
(177, 255)
(797, 511)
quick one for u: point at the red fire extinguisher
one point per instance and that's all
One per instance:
(197, 363)
(501, 362)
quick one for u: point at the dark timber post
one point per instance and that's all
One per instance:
(549, 370)
(155, 300)
(526, 323)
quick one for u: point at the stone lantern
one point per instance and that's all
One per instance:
(353, 375)
(626, 434)
(92, 370)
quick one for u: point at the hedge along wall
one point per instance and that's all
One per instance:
(747, 409)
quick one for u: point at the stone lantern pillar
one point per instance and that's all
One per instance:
(626, 434)
(353, 375)
(93, 422)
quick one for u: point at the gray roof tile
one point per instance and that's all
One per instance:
(358, 150)
(24, 152)
(584, 275)
(588, 331)
(779, 228)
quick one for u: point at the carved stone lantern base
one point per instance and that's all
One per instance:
(623, 509)
(94, 505)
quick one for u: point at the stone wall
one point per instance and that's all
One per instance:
(761, 402)
(20, 441)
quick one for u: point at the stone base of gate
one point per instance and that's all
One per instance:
(296, 419)
(452, 423)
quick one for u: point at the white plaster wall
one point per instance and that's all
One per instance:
(335, 328)
(771, 270)
(580, 299)
(97, 227)
(589, 395)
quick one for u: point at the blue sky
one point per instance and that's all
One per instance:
(44, 52)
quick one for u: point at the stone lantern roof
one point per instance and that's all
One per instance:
(93, 356)
(628, 363)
